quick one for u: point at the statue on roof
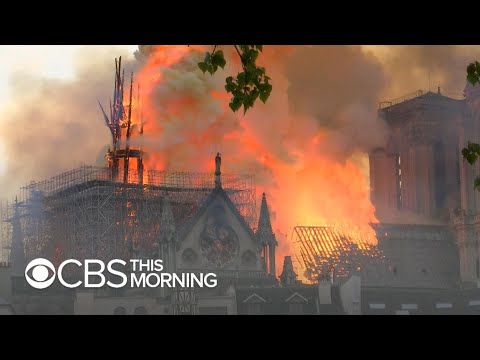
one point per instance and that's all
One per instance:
(218, 163)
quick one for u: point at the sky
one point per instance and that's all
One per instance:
(52, 61)
(46, 61)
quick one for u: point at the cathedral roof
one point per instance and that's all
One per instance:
(419, 97)
(217, 192)
(337, 250)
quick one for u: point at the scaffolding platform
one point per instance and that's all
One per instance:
(88, 212)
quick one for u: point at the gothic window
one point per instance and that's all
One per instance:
(399, 182)
(140, 310)
(249, 258)
(439, 175)
(120, 310)
(184, 301)
(219, 244)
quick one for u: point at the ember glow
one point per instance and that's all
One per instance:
(187, 120)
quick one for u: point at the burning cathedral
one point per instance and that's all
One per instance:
(427, 259)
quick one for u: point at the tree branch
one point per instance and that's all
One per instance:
(239, 54)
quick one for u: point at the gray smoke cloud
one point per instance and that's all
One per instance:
(52, 125)
(413, 67)
(339, 86)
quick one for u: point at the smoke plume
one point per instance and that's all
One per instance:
(339, 87)
(302, 145)
(425, 67)
(53, 125)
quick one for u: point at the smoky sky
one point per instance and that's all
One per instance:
(339, 86)
(426, 67)
(55, 125)
(325, 78)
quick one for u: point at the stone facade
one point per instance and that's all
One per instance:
(419, 177)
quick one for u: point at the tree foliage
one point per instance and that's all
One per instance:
(473, 73)
(471, 152)
(250, 84)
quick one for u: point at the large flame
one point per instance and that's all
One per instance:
(187, 120)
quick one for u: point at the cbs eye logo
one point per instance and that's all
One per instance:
(39, 274)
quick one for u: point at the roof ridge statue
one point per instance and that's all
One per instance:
(218, 164)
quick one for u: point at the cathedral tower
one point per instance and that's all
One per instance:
(266, 237)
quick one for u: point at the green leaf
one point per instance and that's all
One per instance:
(471, 68)
(254, 94)
(241, 79)
(219, 59)
(474, 147)
(235, 104)
(212, 68)
(471, 157)
(472, 78)
(476, 184)
(248, 85)
(203, 66)
(264, 95)
(222, 62)
(249, 76)
(230, 87)
(477, 67)
(250, 55)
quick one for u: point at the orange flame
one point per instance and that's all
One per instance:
(188, 120)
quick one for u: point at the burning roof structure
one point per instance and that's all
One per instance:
(326, 251)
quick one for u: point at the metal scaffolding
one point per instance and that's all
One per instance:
(325, 250)
(83, 213)
(5, 233)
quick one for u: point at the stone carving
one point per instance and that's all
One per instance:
(218, 240)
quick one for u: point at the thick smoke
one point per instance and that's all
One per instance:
(339, 87)
(425, 67)
(304, 158)
(184, 110)
(52, 125)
